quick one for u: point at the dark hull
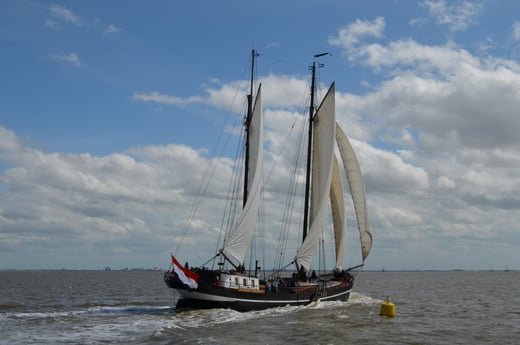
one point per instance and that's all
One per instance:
(288, 293)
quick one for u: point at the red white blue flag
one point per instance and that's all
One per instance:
(189, 278)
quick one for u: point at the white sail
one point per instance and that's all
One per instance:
(357, 189)
(338, 214)
(240, 237)
(322, 156)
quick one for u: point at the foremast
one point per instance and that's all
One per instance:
(240, 236)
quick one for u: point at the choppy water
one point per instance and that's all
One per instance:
(135, 307)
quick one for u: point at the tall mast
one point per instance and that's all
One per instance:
(309, 147)
(247, 122)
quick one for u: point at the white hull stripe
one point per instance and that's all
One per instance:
(194, 295)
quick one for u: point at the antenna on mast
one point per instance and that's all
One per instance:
(322, 54)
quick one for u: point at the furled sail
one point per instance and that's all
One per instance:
(338, 214)
(240, 238)
(357, 189)
(322, 156)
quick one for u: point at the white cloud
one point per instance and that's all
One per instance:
(352, 34)
(108, 203)
(516, 30)
(410, 54)
(60, 17)
(455, 114)
(63, 13)
(9, 142)
(415, 22)
(386, 171)
(72, 58)
(111, 29)
(436, 134)
(51, 24)
(445, 182)
(272, 45)
(285, 91)
(436, 139)
(458, 16)
(157, 97)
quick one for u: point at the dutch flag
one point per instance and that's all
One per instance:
(188, 277)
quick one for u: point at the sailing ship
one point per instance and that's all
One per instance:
(230, 284)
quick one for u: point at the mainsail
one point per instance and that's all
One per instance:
(240, 237)
(357, 190)
(323, 153)
(326, 180)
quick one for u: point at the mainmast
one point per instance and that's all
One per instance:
(309, 146)
(247, 122)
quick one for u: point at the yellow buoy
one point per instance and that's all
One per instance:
(387, 308)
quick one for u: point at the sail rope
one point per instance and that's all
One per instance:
(232, 201)
(282, 241)
(234, 188)
(262, 231)
(257, 245)
(299, 125)
(286, 62)
(290, 202)
(212, 165)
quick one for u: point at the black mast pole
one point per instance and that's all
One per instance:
(309, 154)
(247, 122)
(309, 148)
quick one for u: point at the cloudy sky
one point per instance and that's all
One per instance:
(110, 113)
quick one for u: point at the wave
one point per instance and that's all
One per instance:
(114, 323)
(130, 309)
(206, 318)
(189, 319)
(92, 326)
(357, 298)
(209, 317)
(93, 311)
(120, 304)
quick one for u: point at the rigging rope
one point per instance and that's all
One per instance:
(210, 168)
(290, 202)
(234, 188)
(232, 202)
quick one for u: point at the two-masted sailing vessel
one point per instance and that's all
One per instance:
(230, 284)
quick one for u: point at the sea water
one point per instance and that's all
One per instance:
(136, 307)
